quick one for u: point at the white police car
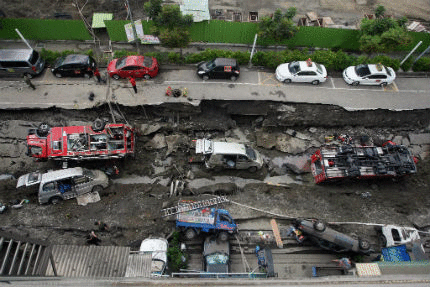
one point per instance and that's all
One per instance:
(369, 74)
(301, 72)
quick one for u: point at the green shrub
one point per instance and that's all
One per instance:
(422, 65)
(175, 255)
(406, 65)
(360, 60)
(258, 58)
(386, 61)
(342, 61)
(174, 58)
(50, 56)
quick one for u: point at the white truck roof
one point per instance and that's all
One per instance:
(37, 177)
(205, 146)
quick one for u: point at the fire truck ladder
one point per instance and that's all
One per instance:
(193, 205)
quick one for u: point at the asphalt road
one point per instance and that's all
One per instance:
(72, 93)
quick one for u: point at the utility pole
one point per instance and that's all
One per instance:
(410, 53)
(252, 51)
(23, 39)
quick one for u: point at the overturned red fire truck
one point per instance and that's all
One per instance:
(98, 141)
(349, 161)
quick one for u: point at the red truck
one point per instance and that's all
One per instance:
(98, 141)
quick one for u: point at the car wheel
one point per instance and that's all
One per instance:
(355, 83)
(287, 81)
(98, 125)
(190, 234)
(384, 84)
(58, 75)
(233, 78)
(55, 200)
(146, 77)
(364, 244)
(30, 76)
(315, 82)
(319, 226)
(43, 130)
(383, 240)
(223, 236)
(116, 77)
(205, 77)
(87, 76)
(252, 169)
(97, 188)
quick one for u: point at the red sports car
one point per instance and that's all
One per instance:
(133, 66)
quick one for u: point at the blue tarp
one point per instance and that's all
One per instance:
(395, 254)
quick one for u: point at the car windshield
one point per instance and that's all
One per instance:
(210, 65)
(362, 70)
(319, 68)
(147, 61)
(388, 71)
(121, 62)
(34, 57)
(59, 62)
(294, 67)
(88, 173)
(217, 258)
(250, 153)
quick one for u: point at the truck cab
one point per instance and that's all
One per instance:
(224, 155)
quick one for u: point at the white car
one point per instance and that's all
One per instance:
(369, 74)
(158, 248)
(301, 72)
(393, 235)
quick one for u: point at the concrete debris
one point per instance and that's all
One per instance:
(291, 145)
(147, 129)
(266, 140)
(420, 139)
(157, 142)
(176, 141)
(91, 197)
(15, 129)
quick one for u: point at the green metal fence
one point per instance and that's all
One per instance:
(44, 29)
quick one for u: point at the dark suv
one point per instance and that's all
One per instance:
(74, 65)
(219, 68)
(330, 239)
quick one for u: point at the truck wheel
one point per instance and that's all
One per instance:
(43, 130)
(319, 226)
(190, 234)
(223, 236)
(98, 125)
(55, 200)
(252, 169)
(97, 188)
(364, 244)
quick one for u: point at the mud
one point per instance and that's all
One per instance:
(285, 134)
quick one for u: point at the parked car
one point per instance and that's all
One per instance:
(301, 72)
(369, 74)
(58, 185)
(219, 68)
(133, 66)
(392, 235)
(331, 239)
(19, 62)
(216, 254)
(224, 155)
(74, 65)
(158, 248)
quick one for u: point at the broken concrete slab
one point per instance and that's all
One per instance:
(297, 164)
(266, 140)
(10, 150)
(291, 145)
(175, 141)
(15, 129)
(157, 142)
(147, 129)
(420, 139)
(397, 139)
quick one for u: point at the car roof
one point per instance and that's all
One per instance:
(304, 66)
(75, 58)
(228, 148)
(60, 174)
(377, 69)
(135, 61)
(158, 247)
(225, 62)
(15, 54)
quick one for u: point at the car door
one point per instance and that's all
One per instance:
(376, 79)
(312, 76)
(243, 162)
(126, 72)
(218, 72)
(301, 77)
(139, 71)
(82, 184)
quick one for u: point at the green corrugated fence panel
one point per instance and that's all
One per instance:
(44, 29)
(216, 31)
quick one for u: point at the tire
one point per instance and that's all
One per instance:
(43, 130)
(205, 77)
(146, 77)
(97, 188)
(223, 236)
(55, 200)
(233, 78)
(384, 84)
(383, 240)
(364, 244)
(319, 226)
(218, 169)
(287, 81)
(190, 234)
(355, 83)
(30, 76)
(98, 125)
(58, 75)
(87, 76)
(116, 77)
(252, 169)
(315, 82)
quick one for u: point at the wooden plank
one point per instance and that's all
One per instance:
(276, 233)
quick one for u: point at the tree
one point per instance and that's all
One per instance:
(170, 25)
(382, 34)
(279, 26)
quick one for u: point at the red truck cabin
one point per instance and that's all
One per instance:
(82, 142)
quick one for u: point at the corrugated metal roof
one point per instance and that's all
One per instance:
(198, 8)
(90, 261)
(139, 265)
(98, 19)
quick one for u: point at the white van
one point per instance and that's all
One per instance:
(55, 186)
(19, 62)
(219, 155)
